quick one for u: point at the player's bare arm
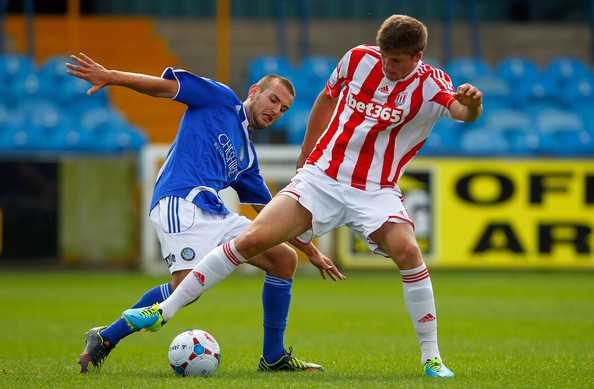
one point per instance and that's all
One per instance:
(315, 256)
(319, 117)
(99, 77)
(468, 105)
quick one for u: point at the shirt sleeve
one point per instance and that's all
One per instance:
(337, 77)
(251, 188)
(196, 91)
(442, 90)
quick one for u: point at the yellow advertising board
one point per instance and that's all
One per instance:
(493, 213)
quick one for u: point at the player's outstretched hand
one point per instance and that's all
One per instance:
(325, 266)
(90, 71)
(469, 96)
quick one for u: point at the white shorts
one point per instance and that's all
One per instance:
(334, 204)
(187, 232)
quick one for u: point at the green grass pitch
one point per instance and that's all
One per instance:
(496, 330)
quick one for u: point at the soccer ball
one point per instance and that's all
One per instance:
(194, 352)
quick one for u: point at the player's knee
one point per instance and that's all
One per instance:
(407, 256)
(252, 242)
(283, 262)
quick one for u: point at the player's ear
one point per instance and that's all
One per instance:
(417, 57)
(253, 91)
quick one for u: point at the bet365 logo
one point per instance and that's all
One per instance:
(375, 111)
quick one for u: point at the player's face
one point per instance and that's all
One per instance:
(397, 65)
(268, 105)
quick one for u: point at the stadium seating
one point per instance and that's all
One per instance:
(444, 140)
(556, 120)
(484, 142)
(496, 92)
(506, 120)
(517, 69)
(44, 109)
(315, 71)
(467, 69)
(528, 110)
(564, 69)
(529, 142)
(269, 64)
(536, 91)
(12, 65)
(577, 91)
(297, 123)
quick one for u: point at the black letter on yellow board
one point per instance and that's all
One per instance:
(505, 185)
(589, 195)
(579, 240)
(486, 242)
(538, 185)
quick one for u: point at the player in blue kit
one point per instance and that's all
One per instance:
(211, 151)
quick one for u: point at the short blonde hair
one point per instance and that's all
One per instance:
(270, 79)
(402, 33)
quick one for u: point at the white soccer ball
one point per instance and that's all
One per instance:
(194, 352)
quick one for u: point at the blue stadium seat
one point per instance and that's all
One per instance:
(564, 69)
(483, 141)
(12, 117)
(530, 142)
(467, 69)
(542, 91)
(584, 109)
(505, 120)
(27, 139)
(102, 119)
(315, 71)
(269, 64)
(32, 85)
(577, 91)
(297, 123)
(555, 120)
(443, 140)
(54, 67)
(122, 139)
(74, 89)
(514, 69)
(13, 65)
(42, 114)
(575, 144)
(496, 92)
(74, 139)
(5, 114)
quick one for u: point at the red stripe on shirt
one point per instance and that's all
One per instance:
(415, 105)
(361, 170)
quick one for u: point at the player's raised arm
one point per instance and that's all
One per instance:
(468, 105)
(99, 78)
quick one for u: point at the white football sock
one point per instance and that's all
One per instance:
(212, 269)
(418, 296)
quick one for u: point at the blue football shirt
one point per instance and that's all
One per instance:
(212, 149)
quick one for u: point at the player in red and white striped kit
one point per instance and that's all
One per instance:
(374, 115)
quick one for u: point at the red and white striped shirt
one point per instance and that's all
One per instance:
(378, 125)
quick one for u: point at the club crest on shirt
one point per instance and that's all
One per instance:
(401, 98)
(188, 254)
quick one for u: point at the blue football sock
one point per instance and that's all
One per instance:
(276, 299)
(119, 329)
